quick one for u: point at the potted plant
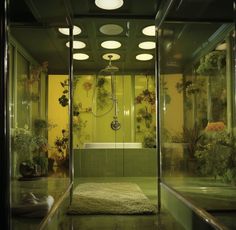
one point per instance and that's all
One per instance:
(31, 150)
(216, 154)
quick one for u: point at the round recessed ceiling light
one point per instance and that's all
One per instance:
(111, 44)
(111, 29)
(149, 30)
(66, 31)
(113, 56)
(144, 57)
(76, 44)
(80, 56)
(147, 45)
(109, 4)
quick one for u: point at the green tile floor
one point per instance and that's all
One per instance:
(204, 192)
(45, 186)
(163, 221)
(62, 221)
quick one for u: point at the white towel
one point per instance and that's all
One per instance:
(32, 206)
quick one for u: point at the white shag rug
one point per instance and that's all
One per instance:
(110, 198)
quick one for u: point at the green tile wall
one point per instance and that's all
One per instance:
(115, 162)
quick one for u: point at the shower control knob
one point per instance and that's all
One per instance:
(115, 125)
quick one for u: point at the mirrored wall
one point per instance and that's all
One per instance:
(39, 144)
(111, 118)
(197, 71)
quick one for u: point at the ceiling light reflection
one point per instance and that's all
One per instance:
(80, 56)
(66, 31)
(147, 45)
(111, 44)
(149, 30)
(144, 57)
(77, 44)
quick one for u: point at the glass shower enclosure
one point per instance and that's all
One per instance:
(197, 87)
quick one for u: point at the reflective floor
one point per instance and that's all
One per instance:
(63, 221)
(215, 196)
(123, 222)
(163, 221)
(206, 193)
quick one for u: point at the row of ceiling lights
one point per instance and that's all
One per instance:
(111, 29)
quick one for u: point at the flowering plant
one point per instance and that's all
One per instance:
(146, 96)
(87, 86)
(215, 126)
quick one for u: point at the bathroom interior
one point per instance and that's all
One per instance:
(141, 96)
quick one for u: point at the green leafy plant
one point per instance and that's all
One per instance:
(63, 100)
(191, 137)
(42, 161)
(61, 155)
(181, 86)
(103, 94)
(216, 155)
(29, 146)
(144, 115)
(149, 140)
(211, 63)
(146, 96)
(41, 125)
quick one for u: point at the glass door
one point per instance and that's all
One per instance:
(39, 114)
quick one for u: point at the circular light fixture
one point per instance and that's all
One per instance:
(149, 31)
(109, 4)
(76, 44)
(80, 56)
(113, 58)
(144, 57)
(111, 44)
(66, 31)
(111, 29)
(147, 45)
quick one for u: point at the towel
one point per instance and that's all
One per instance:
(33, 206)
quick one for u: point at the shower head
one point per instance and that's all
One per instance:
(110, 69)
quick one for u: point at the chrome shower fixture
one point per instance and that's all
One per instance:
(110, 69)
(115, 124)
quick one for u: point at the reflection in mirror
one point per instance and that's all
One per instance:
(39, 147)
(198, 144)
(114, 119)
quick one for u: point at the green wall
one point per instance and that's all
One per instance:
(115, 162)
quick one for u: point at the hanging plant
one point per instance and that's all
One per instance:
(35, 73)
(166, 96)
(181, 86)
(63, 100)
(212, 63)
(87, 86)
(144, 115)
(193, 88)
(146, 96)
(102, 94)
(78, 124)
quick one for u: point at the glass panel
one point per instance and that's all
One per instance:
(39, 146)
(114, 116)
(23, 92)
(197, 85)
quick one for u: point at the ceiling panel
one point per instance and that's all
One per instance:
(35, 25)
